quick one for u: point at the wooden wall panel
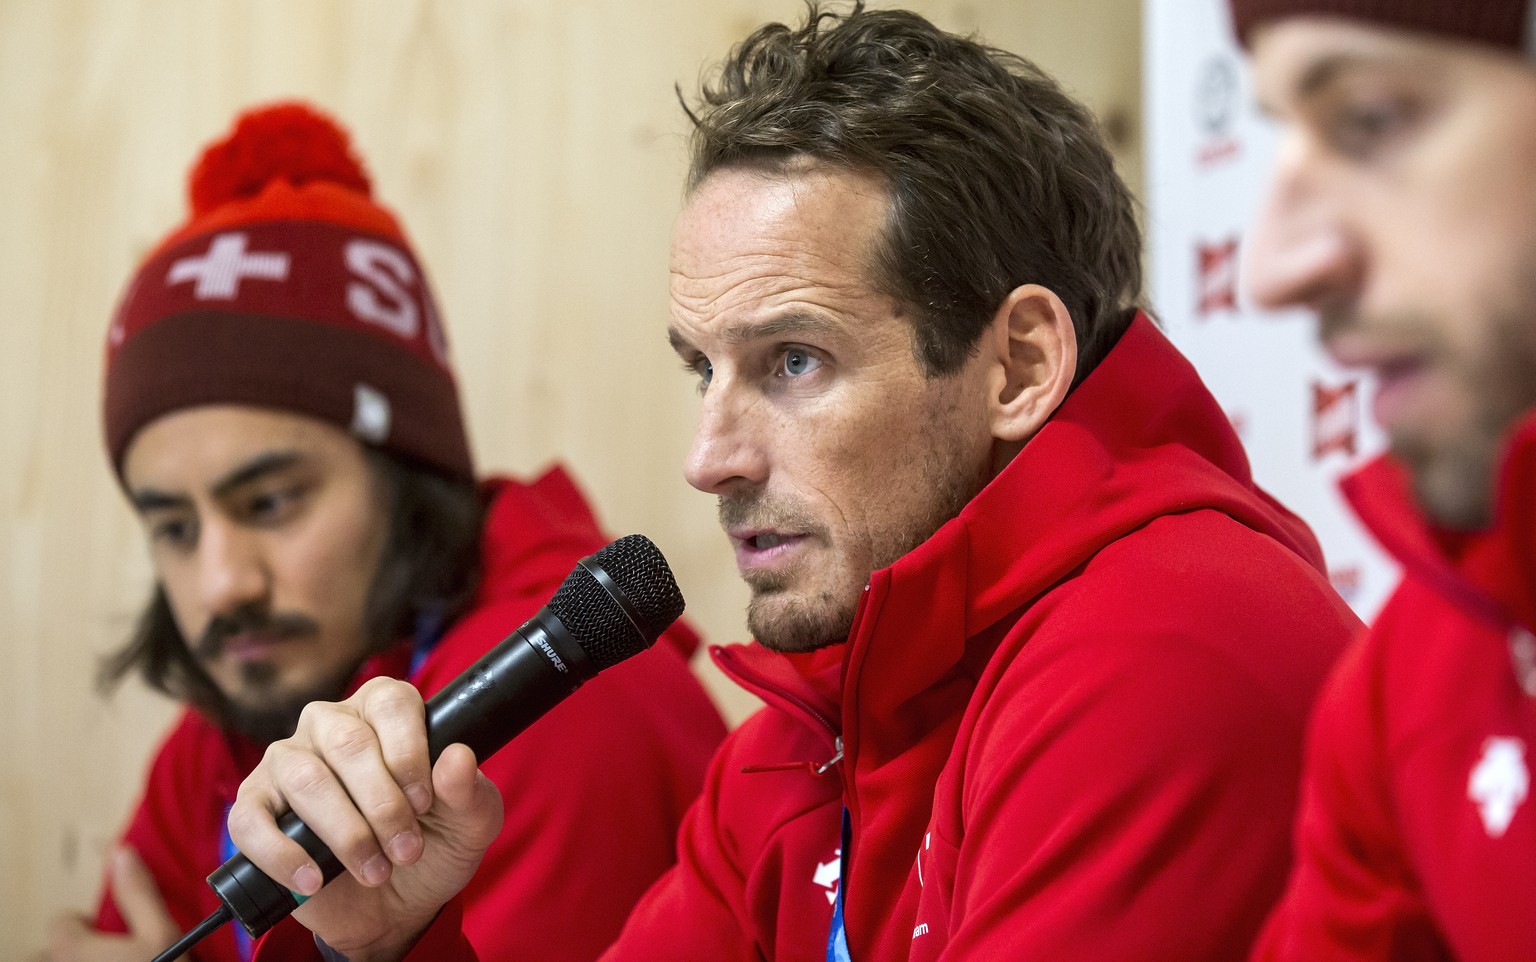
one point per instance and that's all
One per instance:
(534, 150)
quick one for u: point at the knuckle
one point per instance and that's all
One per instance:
(314, 715)
(307, 777)
(381, 691)
(388, 812)
(350, 738)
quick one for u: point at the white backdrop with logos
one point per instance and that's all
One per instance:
(1208, 150)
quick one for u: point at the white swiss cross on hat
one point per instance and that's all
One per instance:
(219, 272)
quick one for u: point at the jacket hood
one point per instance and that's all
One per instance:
(1490, 574)
(1141, 437)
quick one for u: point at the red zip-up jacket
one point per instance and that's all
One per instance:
(631, 748)
(1070, 721)
(1416, 838)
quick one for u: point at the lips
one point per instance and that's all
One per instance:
(1400, 374)
(251, 645)
(758, 550)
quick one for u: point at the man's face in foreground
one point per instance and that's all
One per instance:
(1403, 210)
(265, 529)
(830, 450)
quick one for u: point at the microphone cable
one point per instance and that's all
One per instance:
(201, 931)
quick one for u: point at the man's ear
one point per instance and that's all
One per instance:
(1035, 348)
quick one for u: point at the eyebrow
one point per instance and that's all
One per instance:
(791, 322)
(270, 462)
(1322, 72)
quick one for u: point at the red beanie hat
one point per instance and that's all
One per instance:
(1501, 23)
(288, 287)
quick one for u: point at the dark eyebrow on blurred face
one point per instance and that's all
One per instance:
(270, 462)
(1322, 72)
(788, 324)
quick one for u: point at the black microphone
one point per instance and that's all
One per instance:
(614, 604)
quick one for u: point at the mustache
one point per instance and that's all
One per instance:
(280, 625)
(756, 510)
(1408, 327)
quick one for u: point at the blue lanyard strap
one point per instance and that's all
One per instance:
(243, 945)
(837, 939)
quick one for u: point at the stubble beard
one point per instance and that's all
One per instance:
(273, 713)
(1455, 479)
(783, 621)
(260, 708)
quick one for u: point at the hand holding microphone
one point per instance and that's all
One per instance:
(358, 778)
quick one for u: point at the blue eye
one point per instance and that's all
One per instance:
(798, 363)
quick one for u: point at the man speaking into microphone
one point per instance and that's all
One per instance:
(1036, 650)
(281, 413)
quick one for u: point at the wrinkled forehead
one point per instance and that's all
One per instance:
(746, 236)
(741, 209)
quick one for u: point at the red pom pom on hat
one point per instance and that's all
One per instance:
(282, 161)
(291, 142)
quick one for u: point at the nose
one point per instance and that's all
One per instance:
(728, 451)
(1301, 252)
(231, 572)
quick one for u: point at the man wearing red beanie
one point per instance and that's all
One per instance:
(281, 413)
(1403, 210)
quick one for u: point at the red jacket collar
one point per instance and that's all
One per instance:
(1491, 575)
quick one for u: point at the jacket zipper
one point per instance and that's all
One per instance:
(758, 685)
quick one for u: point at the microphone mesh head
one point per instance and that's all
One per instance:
(597, 620)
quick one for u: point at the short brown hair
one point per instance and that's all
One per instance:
(996, 177)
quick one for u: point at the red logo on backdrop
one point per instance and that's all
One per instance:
(1216, 280)
(1335, 419)
(1347, 581)
(1239, 422)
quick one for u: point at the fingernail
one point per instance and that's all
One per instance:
(376, 870)
(405, 846)
(306, 881)
(419, 797)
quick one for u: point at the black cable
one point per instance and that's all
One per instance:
(203, 929)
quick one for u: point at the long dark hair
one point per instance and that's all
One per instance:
(429, 567)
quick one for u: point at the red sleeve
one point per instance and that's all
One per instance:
(1351, 896)
(176, 831)
(1129, 780)
(1148, 822)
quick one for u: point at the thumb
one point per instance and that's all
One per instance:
(138, 898)
(467, 803)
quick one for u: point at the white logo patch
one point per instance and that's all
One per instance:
(1499, 783)
(218, 273)
(827, 874)
(370, 414)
